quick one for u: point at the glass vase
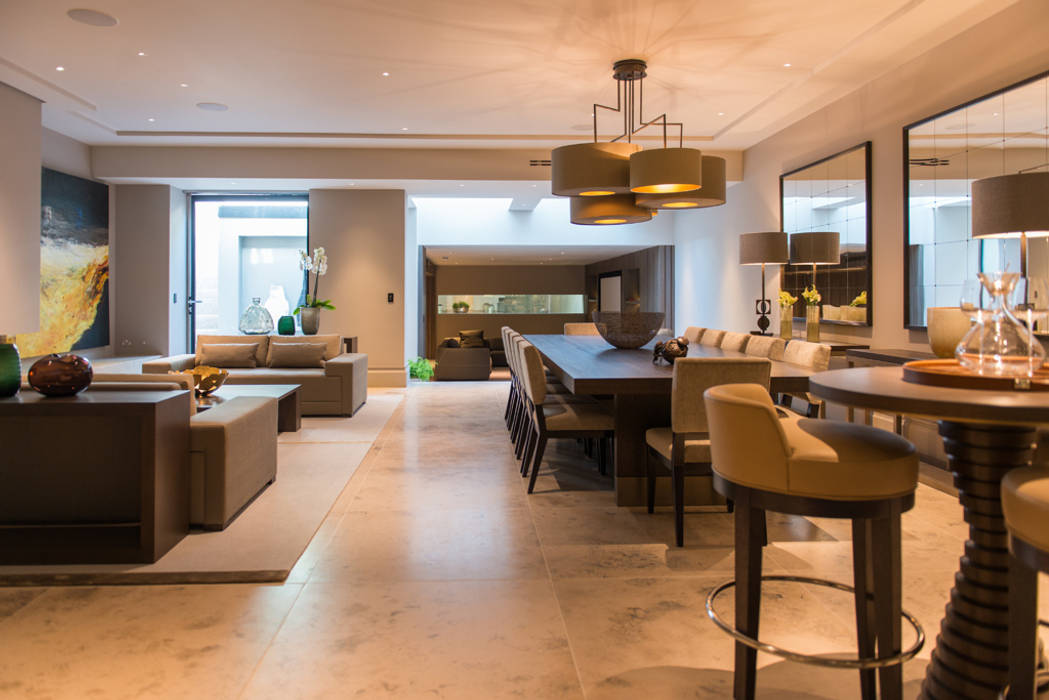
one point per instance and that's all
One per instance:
(310, 317)
(256, 320)
(998, 344)
(786, 322)
(812, 323)
(10, 367)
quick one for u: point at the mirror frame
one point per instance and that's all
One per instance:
(869, 209)
(907, 183)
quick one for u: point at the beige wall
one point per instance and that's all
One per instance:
(66, 155)
(363, 233)
(19, 212)
(655, 281)
(150, 224)
(712, 289)
(510, 279)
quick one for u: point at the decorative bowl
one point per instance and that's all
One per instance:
(206, 379)
(60, 375)
(628, 330)
(947, 326)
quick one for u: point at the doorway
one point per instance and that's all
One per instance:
(244, 247)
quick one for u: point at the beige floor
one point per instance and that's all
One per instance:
(436, 576)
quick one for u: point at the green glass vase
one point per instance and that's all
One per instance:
(10, 367)
(286, 325)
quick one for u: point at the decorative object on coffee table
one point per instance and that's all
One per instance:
(812, 314)
(286, 325)
(786, 314)
(758, 249)
(628, 330)
(310, 312)
(256, 320)
(60, 375)
(947, 326)
(670, 350)
(205, 379)
(998, 344)
(10, 366)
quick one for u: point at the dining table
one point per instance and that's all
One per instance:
(640, 391)
(985, 433)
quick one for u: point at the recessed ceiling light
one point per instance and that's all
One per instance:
(233, 182)
(60, 68)
(786, 65)
(462, 185)
(92, 17)
(562, 252)
(212, 106)
(385, 74)
(721, 114)
(151, 119)
(141, 53)
(995, 114)
(404, 128)
(535, 185)
(183, 84)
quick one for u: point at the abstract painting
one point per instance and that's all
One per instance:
(74, 266)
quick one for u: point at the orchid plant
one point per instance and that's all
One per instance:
(318, 265)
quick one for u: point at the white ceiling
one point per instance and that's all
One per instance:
(525, 254)
(475, 73)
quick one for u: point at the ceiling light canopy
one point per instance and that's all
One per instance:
(608, 210)
(92, 17)
(658, 178)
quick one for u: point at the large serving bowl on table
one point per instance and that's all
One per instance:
(206, 379)
(628, 330)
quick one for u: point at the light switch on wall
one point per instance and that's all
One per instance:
(389, 298)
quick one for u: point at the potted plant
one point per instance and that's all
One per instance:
(310, 311)
(812, 313)
(460, 307)
(786, 314)
(420, 368)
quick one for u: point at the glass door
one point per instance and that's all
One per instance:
(244, 247)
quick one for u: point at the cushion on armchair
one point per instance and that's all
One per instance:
(472, 339)
(228, 354)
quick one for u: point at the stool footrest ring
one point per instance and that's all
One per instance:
(857, 663)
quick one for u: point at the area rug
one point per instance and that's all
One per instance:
(263, 543)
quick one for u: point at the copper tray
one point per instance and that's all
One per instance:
(951, 374)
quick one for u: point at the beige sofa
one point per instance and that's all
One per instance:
(337, 389)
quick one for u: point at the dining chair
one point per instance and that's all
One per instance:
(549, 420)
(693, 334)
(814, 468)
(1025, 504)
(816, 357)
(766, 346)
(684, 445)
(581, 329)
(711, 337)
(734, 341)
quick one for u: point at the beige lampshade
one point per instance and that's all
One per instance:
(666, 170)
(613, 209)
(814, 248)
(1009, 205)
(591, 169)
(763, 247)
(711, 194)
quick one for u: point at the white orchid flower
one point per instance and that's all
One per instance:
(322, 269)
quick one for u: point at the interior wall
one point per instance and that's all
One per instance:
(655, 283)
(411, 285)
(19, 212)
(363, 233)
(178, 272)
(713, 290)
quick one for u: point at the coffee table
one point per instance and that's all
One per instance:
(289, 412)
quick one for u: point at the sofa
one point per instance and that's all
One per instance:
(338, 386)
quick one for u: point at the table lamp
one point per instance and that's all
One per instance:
(814, 248)
(758, 249)
(1012, 206)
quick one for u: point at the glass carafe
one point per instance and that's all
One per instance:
(998, 344)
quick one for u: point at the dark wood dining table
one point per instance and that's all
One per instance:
(588, 365)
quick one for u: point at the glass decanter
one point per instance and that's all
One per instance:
(998, 344)
(256, 320)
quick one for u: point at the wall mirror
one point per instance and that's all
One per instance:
(1001, 133)
(832, 194)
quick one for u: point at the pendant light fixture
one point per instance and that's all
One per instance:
(636, 181)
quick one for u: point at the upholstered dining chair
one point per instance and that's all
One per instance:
(816, 468)
(816, 357)
(766, 346)
(581, 329)
(549, 420)
(734, 341)
(711, 337)
(684, 445)
(693, 334)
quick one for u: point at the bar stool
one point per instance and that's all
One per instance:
(819, 468)
(1025, 504)
(685, 443)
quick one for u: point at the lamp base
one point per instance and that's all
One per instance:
(762, 307)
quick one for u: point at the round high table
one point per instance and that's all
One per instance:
(985, 434)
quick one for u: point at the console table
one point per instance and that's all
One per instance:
(100, 477)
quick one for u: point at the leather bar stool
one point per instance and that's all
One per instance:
(818, 468)
(1025, 504)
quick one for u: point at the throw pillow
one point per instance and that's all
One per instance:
(227, 355)
(296, 355)
(472, 339)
